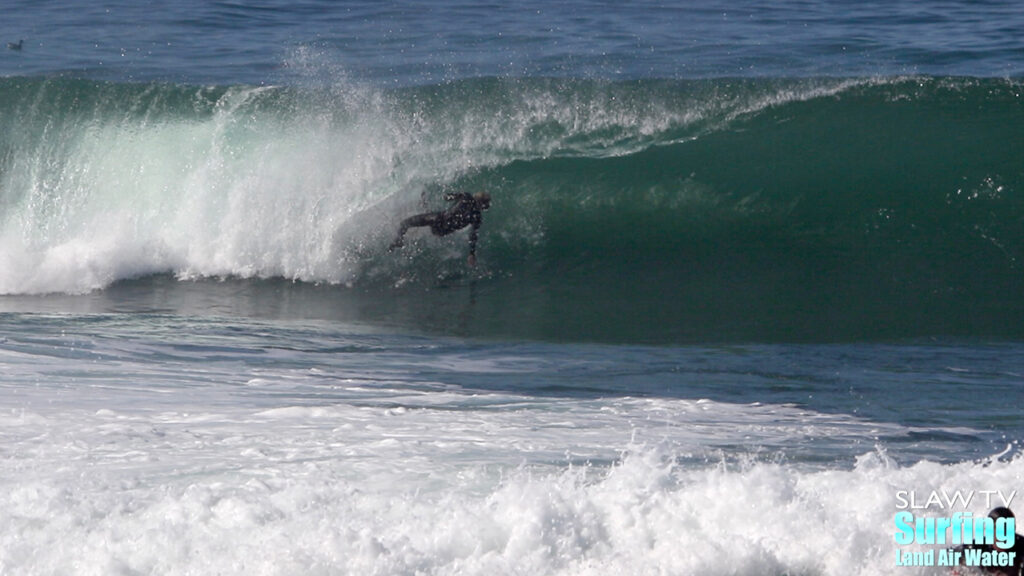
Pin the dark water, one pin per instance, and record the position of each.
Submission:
(429, 42)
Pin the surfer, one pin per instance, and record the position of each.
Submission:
(465, 212)
(1014, 554)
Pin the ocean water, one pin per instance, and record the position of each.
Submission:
(750, 286)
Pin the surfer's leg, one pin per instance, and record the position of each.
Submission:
(416, 221)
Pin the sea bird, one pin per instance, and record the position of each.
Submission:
(13, 46)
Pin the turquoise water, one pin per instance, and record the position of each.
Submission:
(751, 272)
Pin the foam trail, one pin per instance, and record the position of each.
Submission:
(259, 507)
(288, 447)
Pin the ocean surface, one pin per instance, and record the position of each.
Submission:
(752, 283)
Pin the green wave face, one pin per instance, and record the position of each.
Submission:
(879, 211)
(654, 211)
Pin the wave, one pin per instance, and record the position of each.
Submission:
(645, 210)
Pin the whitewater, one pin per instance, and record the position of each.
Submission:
(287, 447)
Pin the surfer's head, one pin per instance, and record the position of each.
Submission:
(1000, 512)
(1004, 526)
(483, 200)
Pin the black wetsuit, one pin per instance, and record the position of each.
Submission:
(465, 212)
(1018, 559)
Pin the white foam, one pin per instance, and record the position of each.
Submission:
(293, 496)
(386, 481)
(243, 191)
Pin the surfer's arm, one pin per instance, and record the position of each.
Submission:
(472, 243)
(472, 238)
(456, 196)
